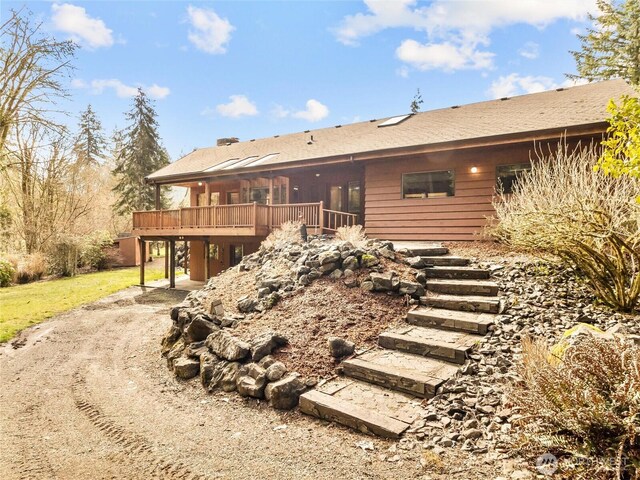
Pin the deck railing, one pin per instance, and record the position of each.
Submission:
(247, 215)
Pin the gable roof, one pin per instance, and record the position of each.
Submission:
(554, 109)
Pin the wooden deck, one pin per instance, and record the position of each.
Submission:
(245, 220)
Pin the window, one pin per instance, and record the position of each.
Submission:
(233, 198)
(353, 197)
(428, 184)
(279, 194)
(507, 176)
(236, 253)
(260, 195)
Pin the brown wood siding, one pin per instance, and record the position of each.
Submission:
(460, 217)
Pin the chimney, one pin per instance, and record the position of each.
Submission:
(227, 141)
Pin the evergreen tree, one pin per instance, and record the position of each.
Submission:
(90, 143)
(416, 102)
(140, 154)
(611, 49)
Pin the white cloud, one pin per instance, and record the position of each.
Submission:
(455, 28)
(80, 26)
(403, 71)
(444, 56)
(314, 112)
(209, 32)
(122, 90)
(530, 50)
(279, 111)
(516, 84)
(239, 106)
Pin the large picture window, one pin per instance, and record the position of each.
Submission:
(428, 184)
(507, 176)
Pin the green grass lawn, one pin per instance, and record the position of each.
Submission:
(24, 305)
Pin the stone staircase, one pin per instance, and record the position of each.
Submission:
(381, 390)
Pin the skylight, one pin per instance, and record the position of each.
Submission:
(224, 164)
(261, 160)
(241, 163)
(394, 120)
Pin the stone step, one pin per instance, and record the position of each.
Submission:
(427, 251)
(465, 303)
(430, 342)
(450, 272)
(471, 322)
(362, 406)
(445, 260)
(412, 374)
(463, 287)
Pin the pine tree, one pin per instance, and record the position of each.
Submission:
(90, 143)
(416, 102)
(611, 49)
(140, 155)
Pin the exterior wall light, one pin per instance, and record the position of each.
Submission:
(199, 184)
(474, 169)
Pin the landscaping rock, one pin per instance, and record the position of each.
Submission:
(276, 371)
(169, 339)
(186, 368)
(350, 263)
(265, 344)
(213, 306)
(199, 329)
(225, 376)
(369, 261)
(247, 304)
(331, 256)
(208, 361)
(411, 288)
(382, 282)
(339, 347)
(195, 349)
(226, 346)
(175, 352)
(367, 286)
(284, 394)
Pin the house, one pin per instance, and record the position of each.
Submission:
(426, 176)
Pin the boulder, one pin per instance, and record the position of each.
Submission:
(382, 282)
(252, 384)
(175, 352)
(330, 256)
(195, 349)
(267, 361)
(247, 304)
(199, 329)
(226, 346)
(367, 285)
(169, 339)
(369, 261)
(411, 288)
(339, 347)
(213, 306)
(327, 268)
(225, 376)
(176, 309)
(336, 274)
(285, 393)
(276, 371)
(386, 252)
(208, 362)
(186, 368)
(265, 343)
(304, 280)
(350, 263)
(415, 262)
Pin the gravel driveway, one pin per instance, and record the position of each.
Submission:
(87, 395)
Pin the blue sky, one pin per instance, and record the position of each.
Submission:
(257, 68)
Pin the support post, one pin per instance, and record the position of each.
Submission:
(172, 264)
(321, 217)
(207, 194)
(207, 260)
(158, 197)
(185, 262)
(166, 259)
(143, 257)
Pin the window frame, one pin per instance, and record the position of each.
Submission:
(427, 197)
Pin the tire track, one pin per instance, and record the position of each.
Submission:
(134, 446)
(33, 461)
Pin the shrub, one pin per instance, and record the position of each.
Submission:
(584, 405)
(289, 232)
(588, 219)
(64, 255)
(7, 272)
(31, 268)
(354, 234)
(95, 250)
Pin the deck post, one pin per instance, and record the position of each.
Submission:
(158, 197)
(143, 257)
(255, 215)
(185, 261)
(166, 259)
(321, 217)
(207, 193)
(172, 264)
(207, 258)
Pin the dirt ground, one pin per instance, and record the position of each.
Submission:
(87, 395)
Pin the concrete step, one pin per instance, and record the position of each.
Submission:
(430, 342)
(404, 372)
(450, 272)
(446, 260)
(465, 303)
(470, 322)
(463, 287)
(362, 406)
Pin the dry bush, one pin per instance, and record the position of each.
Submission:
(288, 233)
(585, 406)
(354, 234)
(31, 268)
(590, 220)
